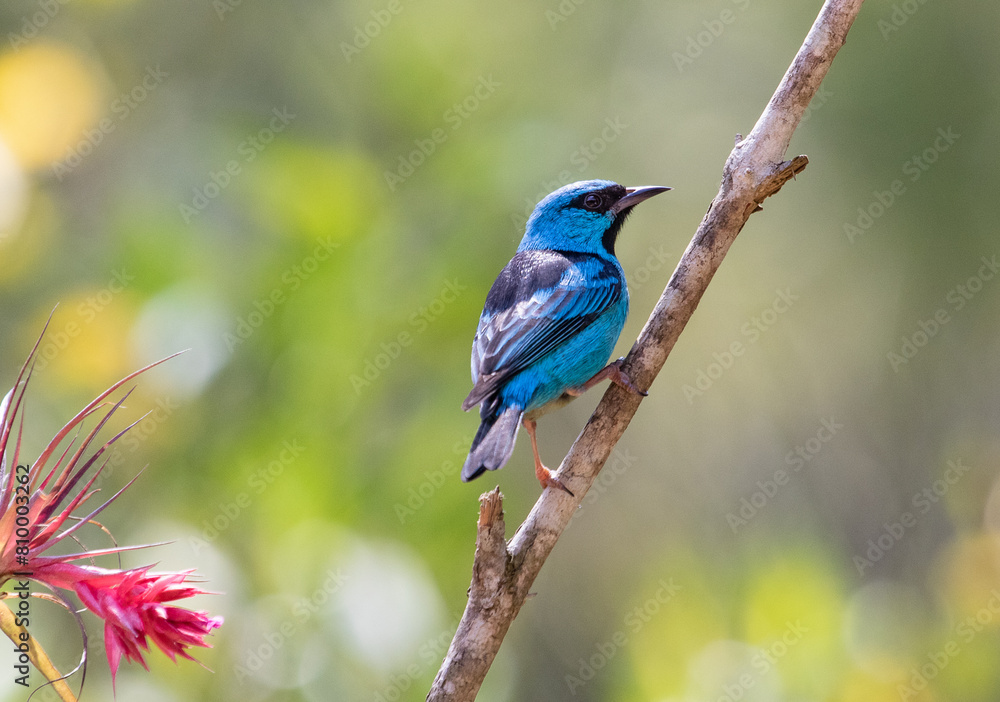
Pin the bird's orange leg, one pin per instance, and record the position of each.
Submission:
(613, 371)
(543, 474)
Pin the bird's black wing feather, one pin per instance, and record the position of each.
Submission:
(539, 300)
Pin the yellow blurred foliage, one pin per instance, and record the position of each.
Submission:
(31, 240)
(86, 344)
(970, 574)
(662, 648)
(861, 687)
(105, 3)
(794, 612)
(48, 98)
(310, 193)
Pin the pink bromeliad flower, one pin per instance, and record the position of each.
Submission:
(38, 506)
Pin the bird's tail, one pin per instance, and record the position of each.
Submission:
(494, 442)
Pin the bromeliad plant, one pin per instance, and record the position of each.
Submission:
(40, 505)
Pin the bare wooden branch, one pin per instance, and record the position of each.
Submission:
(754, 170)
(487, 615)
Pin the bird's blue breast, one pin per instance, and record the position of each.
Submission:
(571, 365)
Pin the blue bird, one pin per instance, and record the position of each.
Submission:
(551, 319)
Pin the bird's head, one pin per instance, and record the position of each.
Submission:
(585, 216)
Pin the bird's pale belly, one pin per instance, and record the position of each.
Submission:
(555, 404)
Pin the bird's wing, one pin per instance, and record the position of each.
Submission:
(540, 300)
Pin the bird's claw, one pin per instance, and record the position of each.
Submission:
(621, 379)
(613, 371)
(543, 474)
(547, 479)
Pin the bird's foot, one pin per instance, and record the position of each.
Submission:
(621, 379)
(543, 474)
(547, 479)
(613, 371)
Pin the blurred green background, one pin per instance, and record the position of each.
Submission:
(315, 197)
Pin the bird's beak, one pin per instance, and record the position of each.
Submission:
(633, 196)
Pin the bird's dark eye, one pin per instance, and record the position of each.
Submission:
(593, 202)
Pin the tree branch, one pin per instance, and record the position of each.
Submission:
(36, 654)
(755, 170)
